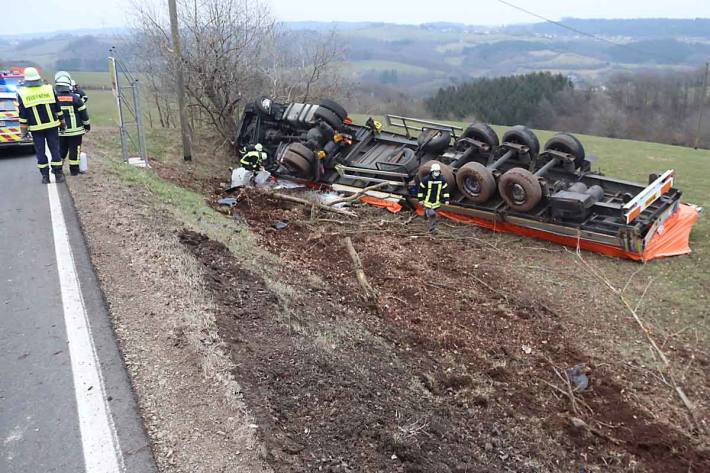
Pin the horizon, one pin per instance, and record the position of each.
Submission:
(103, 14)
(88, 30)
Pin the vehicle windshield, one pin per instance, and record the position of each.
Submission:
(7, 105)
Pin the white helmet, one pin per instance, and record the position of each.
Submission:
(31, 74)
(62, 81)
(436, 167)
(258, 147)
(62, 74)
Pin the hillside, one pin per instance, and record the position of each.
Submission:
(421, 58)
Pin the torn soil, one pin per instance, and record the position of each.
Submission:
(451, 371)
(454, 368)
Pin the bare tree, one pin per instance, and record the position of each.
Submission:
(303, 66)
(234, 51)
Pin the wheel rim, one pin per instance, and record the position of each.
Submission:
(518, 194)
(472, 185)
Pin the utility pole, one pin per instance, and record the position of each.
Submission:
(184, 127)
(703, 96)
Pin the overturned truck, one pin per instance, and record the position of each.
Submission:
(509, 184)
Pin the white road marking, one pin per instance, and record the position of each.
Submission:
(102, 453)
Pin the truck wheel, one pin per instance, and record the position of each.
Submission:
(446, 171)
(303, 151)
(335, 107)
(296, 164)
(482, 132)
(329, 117)
(434, 141)
(566, 143)
(520, 189)
(476, 182)
(522, 135)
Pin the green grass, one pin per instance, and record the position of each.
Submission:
(360, 67)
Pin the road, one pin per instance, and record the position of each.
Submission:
(66, 404)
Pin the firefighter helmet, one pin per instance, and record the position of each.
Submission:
(31, 74)
(62, 74)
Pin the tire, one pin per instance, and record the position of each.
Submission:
(476, 182)
(482, 132)
(329, 117)
(523, 135)
(302, 150)
(520, 189)
(296, 164)
(335, 107)
(566, 143)
(446, 171)
(434, 141)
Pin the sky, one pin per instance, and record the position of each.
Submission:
(53, 15)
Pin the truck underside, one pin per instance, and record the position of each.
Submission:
(506, 184)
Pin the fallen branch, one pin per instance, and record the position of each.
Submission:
(370, 293)
(358, 194)
(666, 362)
(311, 204)
(580, 424)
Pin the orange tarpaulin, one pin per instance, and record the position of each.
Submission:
(390, 205)
(670, 240)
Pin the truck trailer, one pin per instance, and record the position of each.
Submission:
(508, 184)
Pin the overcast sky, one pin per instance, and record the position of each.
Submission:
(52, 15)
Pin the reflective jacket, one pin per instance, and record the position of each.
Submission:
(38, 107)
(433, 191)
(76, 116)
(251, 160)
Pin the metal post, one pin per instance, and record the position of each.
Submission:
(139, 121)
(184, 128)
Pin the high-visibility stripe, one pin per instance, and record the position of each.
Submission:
(9, 137)
(43, 166)
(44, 126)
(36, 115)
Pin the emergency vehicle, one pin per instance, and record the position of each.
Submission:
(10, 135)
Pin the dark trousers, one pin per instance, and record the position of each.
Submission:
(47, 139)
(71, 146)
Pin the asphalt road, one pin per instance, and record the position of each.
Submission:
(43, 416)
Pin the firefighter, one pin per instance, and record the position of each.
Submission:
(74, 87)
(40, 115)
(79, 91)
(433, 190)
(76, 116)
(252, 157)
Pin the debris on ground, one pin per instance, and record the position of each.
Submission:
(578, 377)
(230, 201)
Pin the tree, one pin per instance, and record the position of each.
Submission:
(233, 51)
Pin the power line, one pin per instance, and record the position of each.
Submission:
(583, 33)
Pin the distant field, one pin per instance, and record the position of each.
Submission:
(359, 67)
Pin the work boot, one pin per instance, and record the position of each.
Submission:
(59, 178)
(45, 179)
